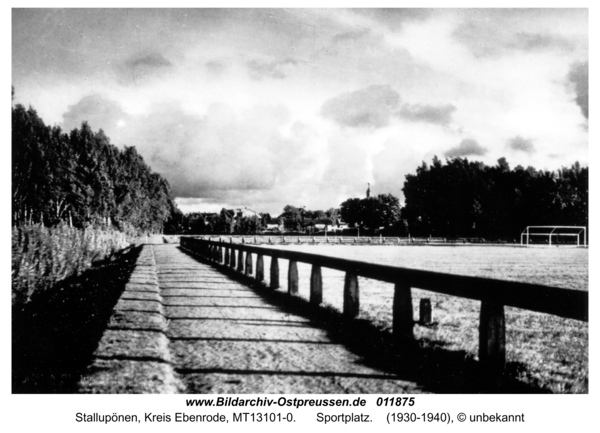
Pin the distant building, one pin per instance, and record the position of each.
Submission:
(241, 213)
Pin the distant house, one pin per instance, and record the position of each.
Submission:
(245, 213)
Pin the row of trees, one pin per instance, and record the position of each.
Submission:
(295, 219)
(82, 179)
(461, 198)
(458, 198)
(301, 219)
(470, 199)
(226, 221)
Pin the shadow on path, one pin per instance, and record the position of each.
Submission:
(424, 362)
(55, 335)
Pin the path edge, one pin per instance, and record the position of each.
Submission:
(133, 355)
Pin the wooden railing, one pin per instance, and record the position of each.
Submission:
(273, 239)
(305, 239)
(493, 294)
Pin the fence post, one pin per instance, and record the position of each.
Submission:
(402, 312)
(492, 337)
(293, 278)
(274, 273)
(248, 263)
(232, 258)
(240, 263)
(226, 256)
(316, 285)
(260, 268)
(351, 295)
(425, 312)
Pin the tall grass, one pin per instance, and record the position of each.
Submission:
(43, 256)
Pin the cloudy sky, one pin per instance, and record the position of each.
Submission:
(268, 107)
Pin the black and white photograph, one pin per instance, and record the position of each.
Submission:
(300, 201)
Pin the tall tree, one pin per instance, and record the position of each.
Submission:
(82, 178)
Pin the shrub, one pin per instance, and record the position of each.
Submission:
(43, 256)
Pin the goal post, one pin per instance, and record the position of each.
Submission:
(554, 235)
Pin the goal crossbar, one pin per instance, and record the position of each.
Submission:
(551, 231)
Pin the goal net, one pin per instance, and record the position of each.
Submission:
(554, 235)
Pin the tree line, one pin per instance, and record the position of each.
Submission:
(245, 221)
(458, 198)
(463, 198)
(227, 221)
(80, 178)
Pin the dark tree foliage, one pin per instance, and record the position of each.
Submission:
(293, 217)
(227, 221)
(371, 212)
(83, 179)
(470, 199)
(196, 224)
(247, 221)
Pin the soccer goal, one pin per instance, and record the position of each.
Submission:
(554, 235)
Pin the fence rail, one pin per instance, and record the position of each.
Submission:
(337, 239)
(493, 294)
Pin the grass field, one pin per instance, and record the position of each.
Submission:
(542, 350)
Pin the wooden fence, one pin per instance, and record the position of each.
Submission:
(493, 294)
(336, 240)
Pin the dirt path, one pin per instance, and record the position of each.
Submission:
(182, 326)
(224, 337)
